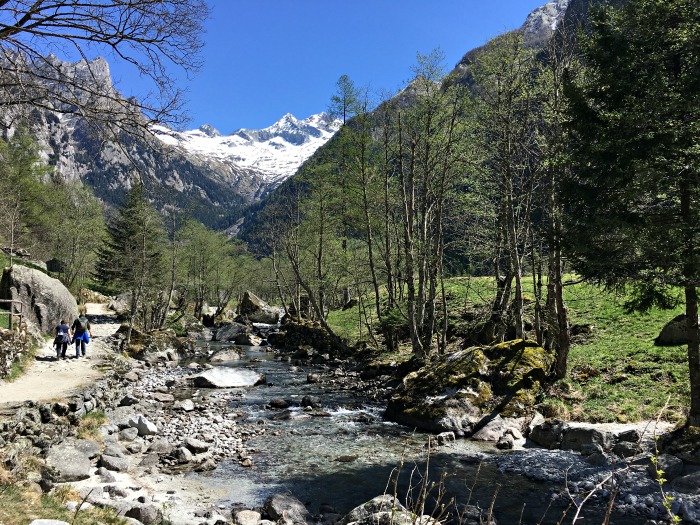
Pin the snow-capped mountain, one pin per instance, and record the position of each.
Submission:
(273, 153)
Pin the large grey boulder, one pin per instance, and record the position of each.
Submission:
(258, 311)
(223, 377)
(462, 392)
(229, 331)
(46, 301)
(674, 333)
(70, 463)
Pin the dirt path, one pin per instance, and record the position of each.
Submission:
(48, 379)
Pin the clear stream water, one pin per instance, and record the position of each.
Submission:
(345, 454)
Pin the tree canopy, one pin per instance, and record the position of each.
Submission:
(633, 199)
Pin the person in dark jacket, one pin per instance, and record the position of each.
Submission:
(81, 333)
(63, 336)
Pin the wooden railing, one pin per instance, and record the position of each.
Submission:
(13, 310)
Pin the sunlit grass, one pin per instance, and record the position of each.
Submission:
(615, 371)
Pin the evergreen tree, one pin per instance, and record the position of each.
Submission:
(132, 258)
(633, 201)
(23, 195)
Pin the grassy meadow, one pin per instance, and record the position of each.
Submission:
(616, 374)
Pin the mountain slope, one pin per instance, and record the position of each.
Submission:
(198, 172)
(537, 29)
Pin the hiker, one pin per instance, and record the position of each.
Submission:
(81, 333)
(63, 336)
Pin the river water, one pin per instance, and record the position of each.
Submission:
(343, 454)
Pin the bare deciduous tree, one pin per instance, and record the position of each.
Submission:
(151, 35)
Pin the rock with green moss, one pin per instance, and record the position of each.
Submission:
(157, 345)
(464, 391)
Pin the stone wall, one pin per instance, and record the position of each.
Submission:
(41, 425)
(13, 344)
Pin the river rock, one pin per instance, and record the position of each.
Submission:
(146, 514)
(382, 503)
(46, 300)
(161, 446)
(458, 391)
(287, 508)
(114, 463)
(577, 437)
(229, 331)
(183, 455)
(195, 445)
(71, 463)
(258, 311)
(688, 484)
(143, 425)
(163, 398)
(548, 434)
(226, 354)
(115, 450)
(248, 340)
(671, 466)
(245, 517)
(187, 405)
(223, 377)
(497, 427)
(128, 434)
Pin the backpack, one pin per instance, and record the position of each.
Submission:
(82, 324)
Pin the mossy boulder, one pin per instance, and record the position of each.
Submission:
(462, 391)
(157, 345)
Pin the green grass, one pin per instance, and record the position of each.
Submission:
(616, 374)
(19, 506)
(19, 367)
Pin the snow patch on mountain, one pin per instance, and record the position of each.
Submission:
(275, 152)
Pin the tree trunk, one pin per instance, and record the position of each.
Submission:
(691, 314)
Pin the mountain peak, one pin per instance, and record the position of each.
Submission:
(275, 152)
(543, 21)
(209, 130)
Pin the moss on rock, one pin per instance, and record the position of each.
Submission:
(456, 391)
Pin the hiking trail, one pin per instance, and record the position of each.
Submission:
(48, 379)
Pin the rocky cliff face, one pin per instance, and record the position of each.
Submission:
(211, 177)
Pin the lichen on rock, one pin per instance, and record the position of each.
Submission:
(460, 391)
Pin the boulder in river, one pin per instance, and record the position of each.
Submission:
(258, 311)
(224, 377)
(229, 331)
(462, 391)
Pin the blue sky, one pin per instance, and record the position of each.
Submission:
(265, 58)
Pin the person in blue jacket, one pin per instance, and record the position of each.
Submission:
(81, 333)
